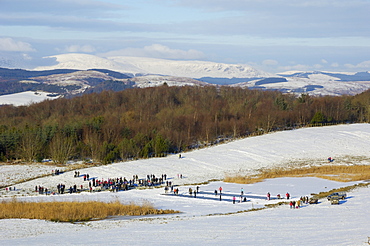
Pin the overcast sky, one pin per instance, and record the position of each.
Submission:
(275, 36)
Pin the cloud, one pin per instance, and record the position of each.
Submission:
(252, 18)
(245, 5)
(295, 19)
(159, 51)
(89, 8)
(68, 23)
(79, 48)
(198, 20)
(270, 62)
(9, 44)
(361, 65)
(317, 66)
(297, 67)
(26, 57)
(82, 15)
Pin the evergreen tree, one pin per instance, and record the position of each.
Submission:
(318, 118)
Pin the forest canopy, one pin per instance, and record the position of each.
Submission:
(141, 123)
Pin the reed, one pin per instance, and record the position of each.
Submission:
(74, 211)
(341, 173)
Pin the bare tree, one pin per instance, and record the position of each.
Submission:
(29, 145)
(61, 148)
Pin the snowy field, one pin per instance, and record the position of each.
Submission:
(26, 98)
(207, 220)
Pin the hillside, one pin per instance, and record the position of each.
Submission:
(156, 121)
(205, 219)
(143, 65)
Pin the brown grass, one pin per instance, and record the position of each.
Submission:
(74, 211)
(341, 173)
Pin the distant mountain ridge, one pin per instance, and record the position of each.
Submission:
(314, 83)
(68, 82)
(8, 73)
(359, 76)
(65, 82)
(75, 74)
(143, 65)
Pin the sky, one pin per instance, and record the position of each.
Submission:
(274, 36)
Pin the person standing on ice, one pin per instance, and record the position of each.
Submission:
(287, 196)
(268, 195)
(234, 199)
(242, 191)
(220, 190)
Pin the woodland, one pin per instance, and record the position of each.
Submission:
(152, 122)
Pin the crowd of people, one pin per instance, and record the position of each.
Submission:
(123, 184)
(41, 189)
(112, 184)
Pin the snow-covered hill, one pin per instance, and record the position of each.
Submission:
(192, 69)
(207, 220)
(148, 72)
(79, 80)
(85, 62)
(157, 80)
(67, 83)
(143, 65)
(312, 83)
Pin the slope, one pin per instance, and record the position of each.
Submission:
(206, 220)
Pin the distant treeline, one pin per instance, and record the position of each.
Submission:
(142, 123)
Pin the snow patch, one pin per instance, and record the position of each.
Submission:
(26, 98)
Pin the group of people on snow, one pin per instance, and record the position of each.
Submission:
(41, 189)
(56, 172)
(298, 203)
(112, 184)
(218, 192)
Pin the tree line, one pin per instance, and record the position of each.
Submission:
(152, 122)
